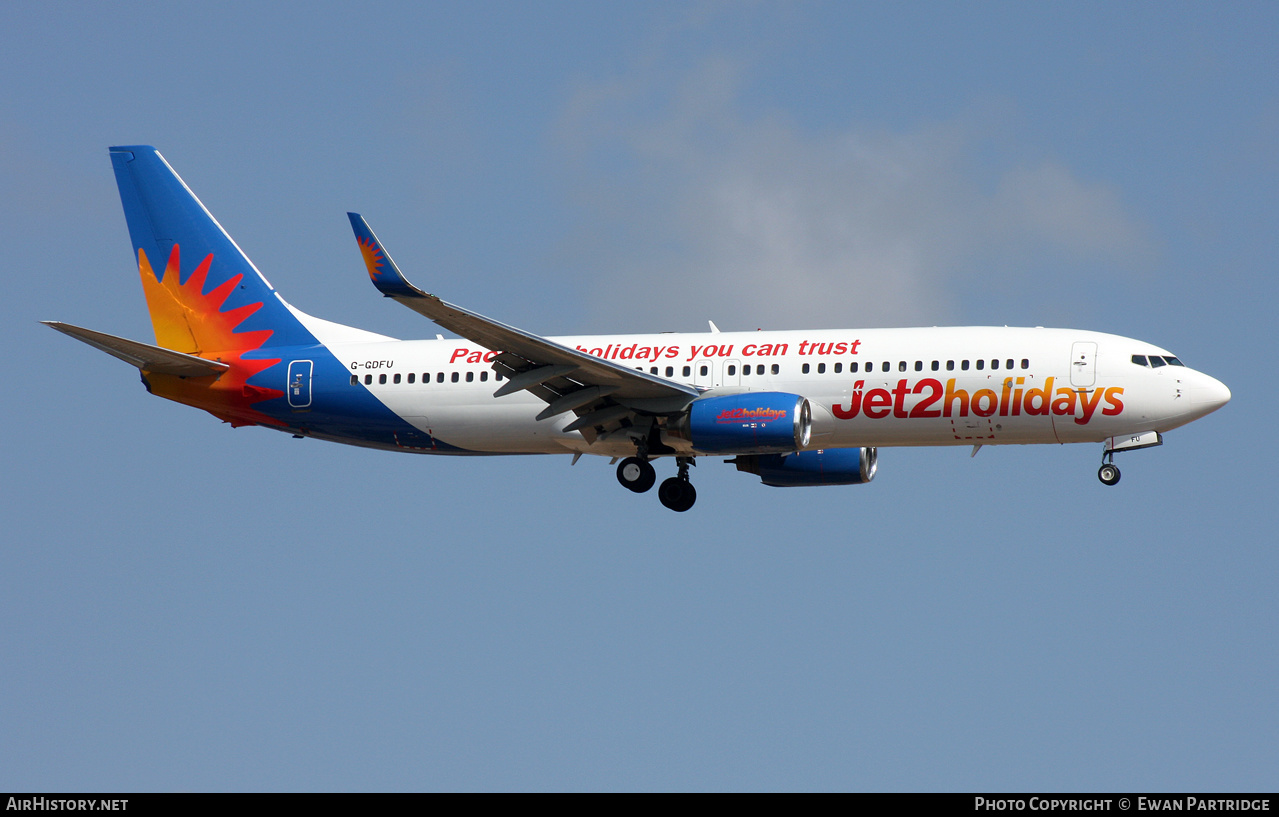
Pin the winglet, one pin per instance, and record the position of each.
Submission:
(386, 276)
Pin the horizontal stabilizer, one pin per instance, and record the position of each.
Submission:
(143, 355)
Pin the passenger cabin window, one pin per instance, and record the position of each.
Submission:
(703, 370)
(470, 377)
(484, 376)
(981, 364)
(852, 367)
(688, 370)
(670, 371)
(839, 367)
(439, 378)
(1025, 363)
(964, 365)
(381, 380)
(950, 366)
(732, 370)
(396, 380)
(994, 364)
(936, 365)
(368, 380)
(411, 376)
(919, 365)
(821, 368)
(454, 378)
(901, 365)
(778, 369)
(804, 368)
(355, 380)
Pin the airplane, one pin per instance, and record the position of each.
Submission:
(795, 408)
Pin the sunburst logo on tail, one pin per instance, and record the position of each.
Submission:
(373, 257)
(187, 319)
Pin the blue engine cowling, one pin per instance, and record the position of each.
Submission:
(756, 422)
(830, 466)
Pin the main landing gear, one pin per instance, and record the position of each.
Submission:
(677, 493)
(1108, 473)
(637, 474)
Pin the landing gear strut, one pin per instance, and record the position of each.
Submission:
(677, 493)
(1108, 473)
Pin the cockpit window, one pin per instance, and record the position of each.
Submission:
(1155, 361)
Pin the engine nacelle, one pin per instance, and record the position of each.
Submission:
(755, 422)
(830, 466)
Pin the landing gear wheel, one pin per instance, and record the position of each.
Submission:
(1108, 474)
(636, 474)
(677, 494)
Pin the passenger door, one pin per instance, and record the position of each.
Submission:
(1083, 364)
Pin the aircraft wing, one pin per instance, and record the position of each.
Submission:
(143, 355)
(567, 379)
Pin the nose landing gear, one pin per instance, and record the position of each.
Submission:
(1108, 473)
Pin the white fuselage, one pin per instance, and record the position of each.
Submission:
(873, 387)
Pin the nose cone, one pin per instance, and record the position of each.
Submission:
(1208, 394)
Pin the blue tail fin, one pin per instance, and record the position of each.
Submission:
(204, 294)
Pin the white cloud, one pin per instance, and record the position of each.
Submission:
(697, 210)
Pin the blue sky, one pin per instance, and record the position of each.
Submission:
(191, 607)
